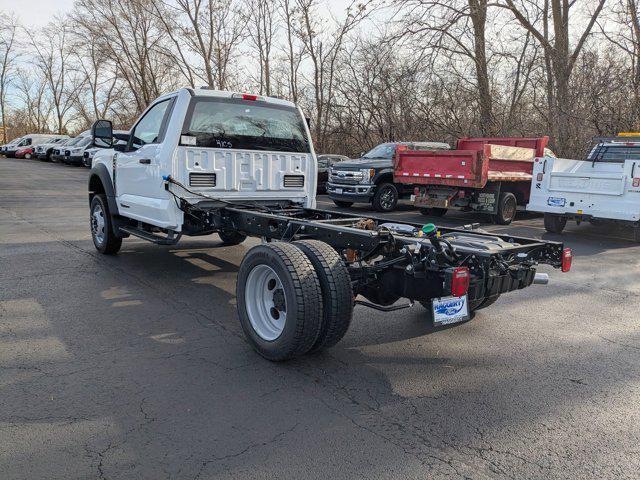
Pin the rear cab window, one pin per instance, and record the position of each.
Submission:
(614, 153)
(245, 125)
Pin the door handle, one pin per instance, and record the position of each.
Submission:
(145, 161)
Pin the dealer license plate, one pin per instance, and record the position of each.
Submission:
(448, 310)
(339, 191)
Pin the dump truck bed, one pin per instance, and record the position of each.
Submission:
(475, 162)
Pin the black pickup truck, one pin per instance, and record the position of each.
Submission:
(369, 179)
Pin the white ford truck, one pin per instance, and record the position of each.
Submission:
(605, 187)
(200, 162)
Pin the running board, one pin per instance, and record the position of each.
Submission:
(170, 239)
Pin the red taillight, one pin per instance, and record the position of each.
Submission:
(416, 191)
(402, 148)
(567, 256)
(460, 281)
(246, 96)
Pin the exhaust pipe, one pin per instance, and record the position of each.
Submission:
(541, 279)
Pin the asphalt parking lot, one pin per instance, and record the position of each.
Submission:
(134, 366)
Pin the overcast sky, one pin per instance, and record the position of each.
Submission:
(38, 12)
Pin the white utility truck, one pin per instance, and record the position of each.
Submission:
(603, 188)
(199, 162)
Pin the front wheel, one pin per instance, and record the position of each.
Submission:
(342, 204)
(102, 234)
(385, 198)
(554, 223)
(279, 301)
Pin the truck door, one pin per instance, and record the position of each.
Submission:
(138, 175)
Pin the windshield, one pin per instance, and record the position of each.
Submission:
(74, 141)
(614, 153)
(246, 125)
(385, 150)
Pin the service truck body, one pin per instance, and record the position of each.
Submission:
(603, 187)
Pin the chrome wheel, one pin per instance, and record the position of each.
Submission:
(98, 223)
(265, 302)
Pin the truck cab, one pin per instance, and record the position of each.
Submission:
(604, 187)
(369, 179)
(229, 146)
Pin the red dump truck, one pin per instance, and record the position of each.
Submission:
(488, 175)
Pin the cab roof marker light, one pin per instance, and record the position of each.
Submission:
(246, 96)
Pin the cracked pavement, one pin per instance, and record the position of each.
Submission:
(135, 366)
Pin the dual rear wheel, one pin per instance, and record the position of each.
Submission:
(293, 298)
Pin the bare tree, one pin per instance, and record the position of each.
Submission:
(323, 47)
(456, 28)
(560, 56)
(133, 40)
(52, 58)
(8, 57)
(261, 18)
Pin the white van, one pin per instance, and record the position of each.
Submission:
(27, 140)
(604, 187)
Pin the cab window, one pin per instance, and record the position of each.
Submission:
(148, 130)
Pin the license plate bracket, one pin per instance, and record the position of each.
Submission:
(450, 310)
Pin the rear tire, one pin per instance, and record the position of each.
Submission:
(342, 204)
(433, 212)
(507, 207)
(102, 234)
(385, 198)
(554, 223)
(337, 293)
(231, 238)
(291, 289)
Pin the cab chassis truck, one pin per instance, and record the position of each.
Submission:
(199, 162)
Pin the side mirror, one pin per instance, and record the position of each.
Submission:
(102, 133)
(120, 147)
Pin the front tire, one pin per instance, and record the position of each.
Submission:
(231, 238)
(337, 293)
(385, 198)
(554, 223)
(279, 301)
(342, 204)
(102, 234)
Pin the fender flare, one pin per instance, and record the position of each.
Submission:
(102, 173)
(382, 173)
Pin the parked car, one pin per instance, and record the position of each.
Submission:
(369, 179)
(24, 152)
(28, 141)
(73, 154)
(43, 151)
(604, 188)
(324, 164)
(58, 153)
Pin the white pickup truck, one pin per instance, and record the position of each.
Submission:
(603, 188)
(200, 162)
